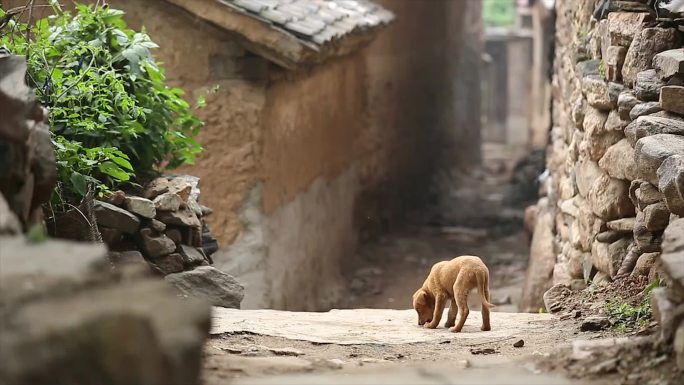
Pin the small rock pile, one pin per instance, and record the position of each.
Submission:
(165, 228)
(616, 159)
(165, 224)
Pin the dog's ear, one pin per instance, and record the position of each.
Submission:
(421, 297)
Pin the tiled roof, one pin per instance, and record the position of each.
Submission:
(316, 22)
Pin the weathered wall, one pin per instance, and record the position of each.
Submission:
(613, 160)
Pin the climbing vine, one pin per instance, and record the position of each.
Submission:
(114, 120)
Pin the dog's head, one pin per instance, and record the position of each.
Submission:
(424, 305)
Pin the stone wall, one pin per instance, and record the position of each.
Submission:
(615, 159)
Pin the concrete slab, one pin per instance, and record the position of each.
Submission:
(371, 326)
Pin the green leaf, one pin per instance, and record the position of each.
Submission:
(111, 169)
(79, 183)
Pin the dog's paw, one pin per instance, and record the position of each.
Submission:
(450, 324)
(454, 330)
(486, 328)
(430, 326)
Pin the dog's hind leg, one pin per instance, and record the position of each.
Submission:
(461, 298)
(453, 311)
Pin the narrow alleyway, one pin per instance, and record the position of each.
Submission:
(370, 343)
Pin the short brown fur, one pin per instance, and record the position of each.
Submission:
(453, 280)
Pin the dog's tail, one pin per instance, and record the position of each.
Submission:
(483, 289)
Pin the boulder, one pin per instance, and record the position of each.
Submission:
(644, 264)
(623, 225)
(140, 206)
(609, 236)
(647, 194)
(672, 99)
(646, 241)
(651, 152)
(542, 259)
(678, 346)
(647, 85)
(615, 122)
(607, 257)
(185, 217)
(130, 257)
(586, 172)
(192, 256)
(646, 108)
(614, 60)
(645, 45)
(623, 26)
(588, 226)
(68, 319)
(167, 202)
(673, 241)
(554, 297)
(157, 187)
(652, 125)
(626, 101)
(578, 111)
(157, 226)
(110, 236)
(561, 275)
(656, 216)
(594, 323)
(671, 183)
(595, 89)
(115, 198)
(666, 313)
(609, 198)
(669, 63)
(156, 246)
(169, 264)
(618, 161)
(596, 146)
(209, 283)
(115, 218)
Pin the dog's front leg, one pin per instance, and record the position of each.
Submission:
(440, 303)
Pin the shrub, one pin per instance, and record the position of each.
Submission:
(113, 118)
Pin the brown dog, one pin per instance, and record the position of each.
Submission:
(453, 280)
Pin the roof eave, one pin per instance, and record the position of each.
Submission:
(271, 42)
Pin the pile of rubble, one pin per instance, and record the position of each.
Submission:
(616, 158)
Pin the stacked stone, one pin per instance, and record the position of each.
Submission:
(27, 172)
(616, 159)
(166, 224)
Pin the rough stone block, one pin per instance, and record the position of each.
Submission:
(607, 257)
(645, 45)
(156, 247)
(614, 60)
(140, 206)
(209, 283)
(643, 109)
(609, 198)
(626, 101)
(645, 264)
(671, 183)
(669, 63)
(623, 225)
(116, 218)
(672, 99)
(647, 85)
(656, 216)
(647, 194)
(618, 161)
(595, 88)
(651, 152)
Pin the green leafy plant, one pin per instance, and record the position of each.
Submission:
(114, 120)
(602, 68)
(626, 316)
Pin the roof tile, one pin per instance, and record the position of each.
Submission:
(316, 21)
